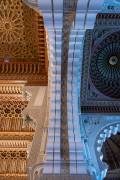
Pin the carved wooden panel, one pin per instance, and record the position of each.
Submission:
(15, 138)
(23, 49)
(21, 30)
(33, 72)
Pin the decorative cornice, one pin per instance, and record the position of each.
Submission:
(32, 72)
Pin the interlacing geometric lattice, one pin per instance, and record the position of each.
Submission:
(14, 137)
(21, 31)
(105, 66)
(13, 155)
(11, 107)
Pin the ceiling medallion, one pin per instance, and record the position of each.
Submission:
(113, 60)
(105, 67)
(10, 27)
(100, 83)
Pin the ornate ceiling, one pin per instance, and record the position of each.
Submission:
(105, 65)
(100, 90)
(22, 41)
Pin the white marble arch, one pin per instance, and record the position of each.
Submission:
(103, 134)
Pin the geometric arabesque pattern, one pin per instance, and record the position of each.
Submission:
(105, 66)
(100, 87)
(21, 32)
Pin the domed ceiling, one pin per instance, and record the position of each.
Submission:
(22, 39)
(105, 66)
(100, 83)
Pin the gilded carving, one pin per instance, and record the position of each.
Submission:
(19, 33)
(14, 138)
(23, 48)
